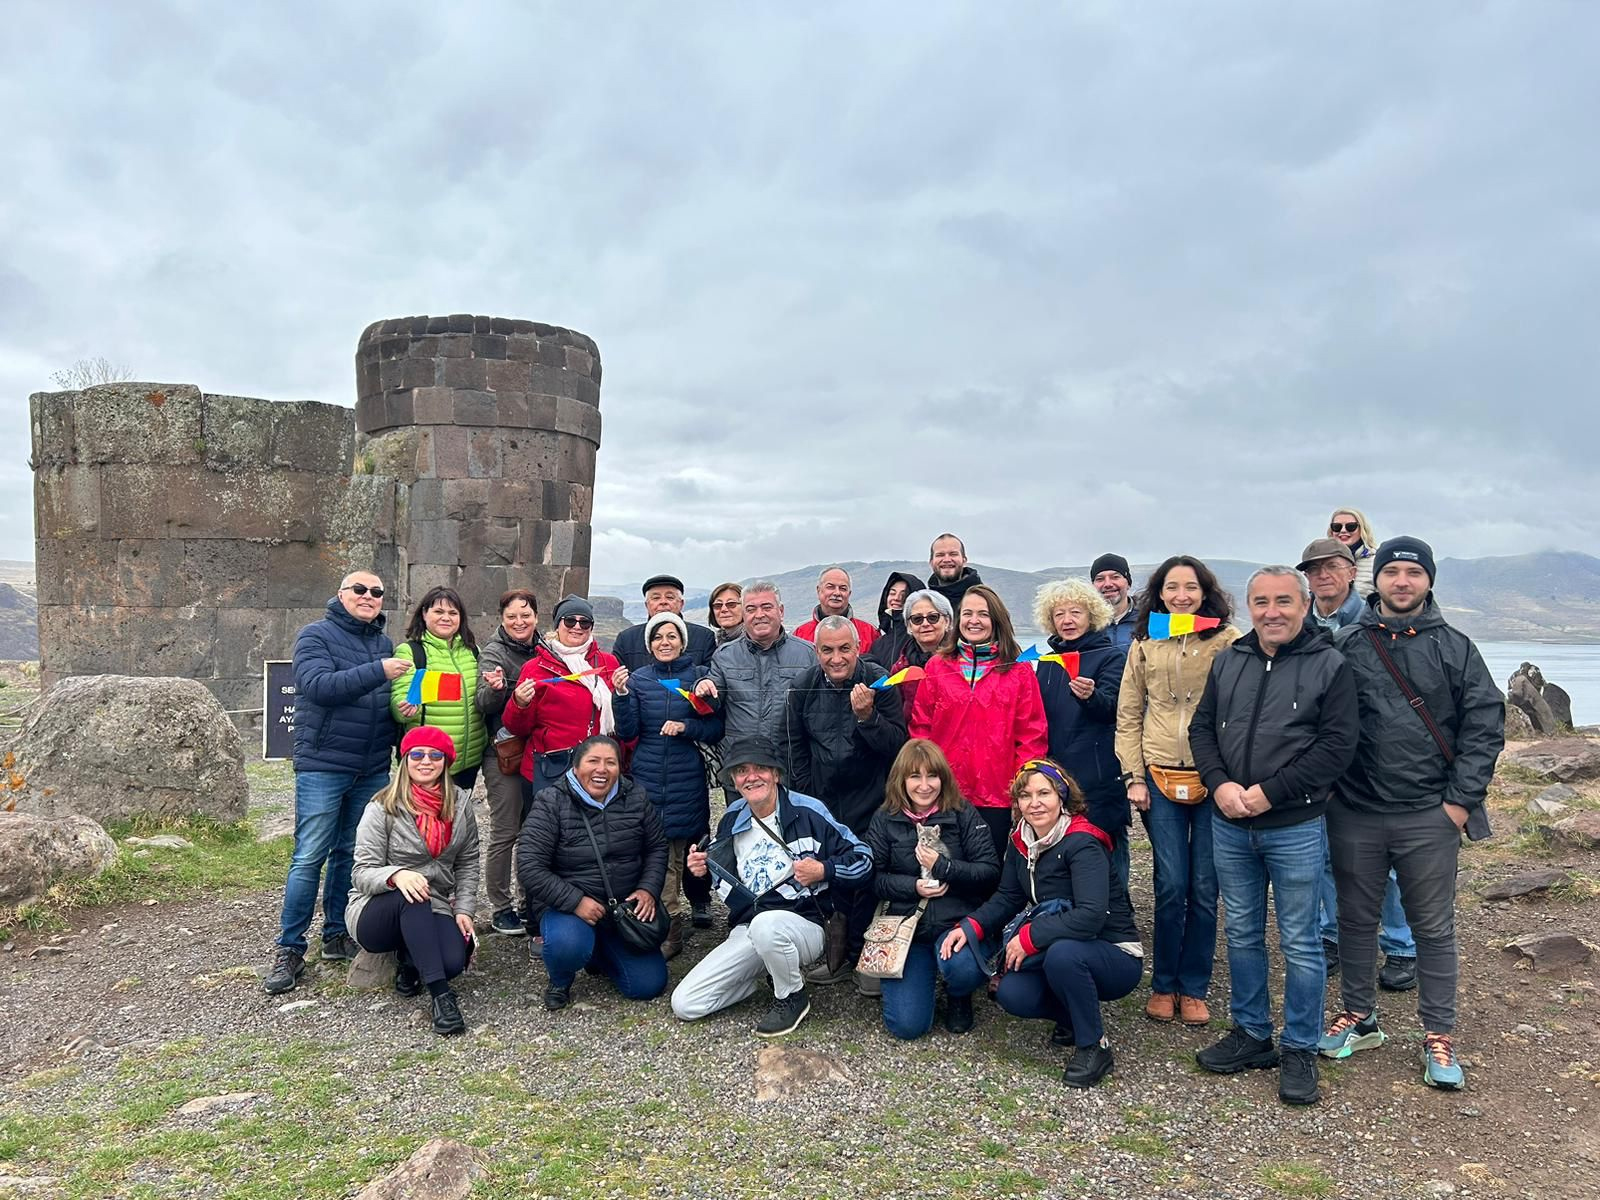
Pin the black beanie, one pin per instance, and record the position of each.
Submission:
(1111, 562)
(1404, 549)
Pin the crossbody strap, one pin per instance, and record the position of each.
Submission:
(767, 829)
(1410, 693)
(600, 859)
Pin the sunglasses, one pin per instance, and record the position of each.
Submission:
(726, 604)
(362, 589)
(429, 755)
(577, 622)
(924, 618)
(1345, 527)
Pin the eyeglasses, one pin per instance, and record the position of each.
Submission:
(924, 618)
(1345, 527)
(577, 622)
(362, 589)
(430, 755)
(726, 604)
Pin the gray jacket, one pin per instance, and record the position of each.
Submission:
(754, 685)
(386, 844)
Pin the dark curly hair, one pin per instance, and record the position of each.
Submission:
(1217, 603)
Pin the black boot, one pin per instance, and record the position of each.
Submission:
(958, 1013)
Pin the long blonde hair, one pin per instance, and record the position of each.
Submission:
(1368, 538)
(396, 798)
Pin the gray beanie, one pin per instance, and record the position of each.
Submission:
(573, 606)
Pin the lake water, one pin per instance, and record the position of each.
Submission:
(1575, 668)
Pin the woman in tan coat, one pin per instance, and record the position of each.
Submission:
(1161, 685)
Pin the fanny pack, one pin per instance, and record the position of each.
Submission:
(1181, 785)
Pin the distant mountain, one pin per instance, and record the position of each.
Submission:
(19, 624)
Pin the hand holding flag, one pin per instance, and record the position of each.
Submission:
(905, 675)
(695, 702)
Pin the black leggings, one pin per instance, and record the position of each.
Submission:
(430, 940)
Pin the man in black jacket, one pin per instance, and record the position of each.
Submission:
(1407, 797)
(662, 593)
(1275, 728)
(947, 558)
(840, 739)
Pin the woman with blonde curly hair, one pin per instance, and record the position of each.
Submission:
(1350, 526)
(1080, 703)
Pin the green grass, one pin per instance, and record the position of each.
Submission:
(1295, 1179)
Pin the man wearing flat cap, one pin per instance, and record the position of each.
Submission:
(662, 593)
(1330, 569)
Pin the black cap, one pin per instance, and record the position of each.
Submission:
(661, 581)
(1111, 562)
(1404, 549)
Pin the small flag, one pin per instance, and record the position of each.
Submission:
(1171, 625)
(431, 687)
(1067, 661)
(574, 677)
(695, 702)
(904, 675)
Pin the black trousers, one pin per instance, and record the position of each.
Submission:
(431, 941)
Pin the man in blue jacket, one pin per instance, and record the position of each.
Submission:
(343, 738)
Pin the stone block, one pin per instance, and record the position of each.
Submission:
(400, 408)
(245, 638)
(582, 502)
(138, 500)
(476, 408)
(586, 390)
(515, 498)
(581, 534)
(578, 360)
(489, 345)
(237, 430)
(455, 346)
(434, 542)
(305, 574)
(54, 431)
(438, 325)
(155, 573)
(66, 501)
(450, 451)
(514, 410)
(489, 542)
(461, 323)
(534, 456)
(243, 694)
(461, 500)
(147, 423)
(484, 454)
(523, 347)
(507, 375)
(534, 541)
(433, 406)
(308, 436)
(372, 412)
(106, 639)
(363, 511)
(419, 578)
(578, 419)
(73, 571)
(542, 411)
(563, 537)
(480, 590)
(557, 499)
(464, 373)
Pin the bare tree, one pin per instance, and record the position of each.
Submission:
(87, 372)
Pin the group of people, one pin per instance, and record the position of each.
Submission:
(924, 783)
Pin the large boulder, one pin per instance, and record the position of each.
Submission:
(114, 747)
(1518, 727)
(1548, 707)
(442, 1169)
(38, 851)
(1566, 760)
(1560, 703)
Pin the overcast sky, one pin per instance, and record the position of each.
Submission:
(1063, 278)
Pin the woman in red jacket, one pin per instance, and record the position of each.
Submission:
(981, 708)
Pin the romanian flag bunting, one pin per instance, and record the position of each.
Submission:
(574, 677)
(1171, 625)
(695, 702)
(905, 675)
(1067, 661)
(431, 687)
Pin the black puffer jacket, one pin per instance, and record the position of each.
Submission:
(556, 861)
(1398, 765)
(968, 865)
(1288, 722)
(842, 761)
(1077, 868)
(956, 588)
(892, 636)
(1083, 733)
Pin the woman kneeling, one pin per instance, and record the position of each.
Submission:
(415, 879)
(1069, 939)
(591, 837)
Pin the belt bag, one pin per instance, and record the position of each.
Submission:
(887, 942)
(1181, 785)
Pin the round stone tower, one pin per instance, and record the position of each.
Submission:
(489, 428)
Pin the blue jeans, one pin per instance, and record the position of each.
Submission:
(1121, 859)
(571, 944)
(1394, 935)
(1290, 859)
(1069, 983)
(908, 1001)
(1185, 928)
(327, 809)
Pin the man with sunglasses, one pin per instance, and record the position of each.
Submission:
(343, 739)
(662, 593)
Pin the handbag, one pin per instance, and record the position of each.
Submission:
(508, 753)
(1478, 815)
(887, 942)
(1181, 785)
(634, 931)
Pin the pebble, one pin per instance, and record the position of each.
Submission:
(296, 1006)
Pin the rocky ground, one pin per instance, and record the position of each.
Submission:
(140, 1058)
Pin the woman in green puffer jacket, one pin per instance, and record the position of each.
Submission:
(440, 625)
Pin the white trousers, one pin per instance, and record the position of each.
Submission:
(776, 943)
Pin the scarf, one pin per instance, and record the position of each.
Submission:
(977, 660)
(919, 817)
(577, 659)
(428, 805)
(1034, 844)
(731, 634)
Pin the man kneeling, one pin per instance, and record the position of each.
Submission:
(774, 854)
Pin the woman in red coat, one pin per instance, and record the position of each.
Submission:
(982, 708)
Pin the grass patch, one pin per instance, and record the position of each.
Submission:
(1149, 1145)
(1295, 1179)
(224, 860)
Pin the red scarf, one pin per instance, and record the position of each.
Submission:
(428, 804)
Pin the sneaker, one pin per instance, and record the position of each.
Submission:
(958, 1013)
(447, 1020)
(1089, 1065)
(1297, 1077)
(701, 911)
(555, 999)
(1350, 1033)
(819, 974)
(287, 967)
(508, 924)
(1439, 1066)
(785, 1015)
(1062, 1035)
(869, 986)
(1330, 954)
(1236, 1052)
(1193, 1011)
(1398, 974)
(341, 947)
(407, 979)
(1162, 1006)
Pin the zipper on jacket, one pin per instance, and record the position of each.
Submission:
(1255, 720)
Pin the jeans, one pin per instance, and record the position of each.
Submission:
(1121, 858)
(1290, 859)
(571, 944)
(430, 940)
(1069, 984)
(1394, 935)
(327, 809)
(1185, 928)
(908, 1001)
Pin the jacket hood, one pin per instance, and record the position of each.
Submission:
(1312, 637)
(913, 584)
(966, 579)
(1090, 641)
(1426, 617)
(1078, 824)
(337, 614)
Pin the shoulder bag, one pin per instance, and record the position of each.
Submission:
(636, 933)
(887, 942)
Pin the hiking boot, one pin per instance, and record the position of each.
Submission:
(555, 999)
(1297, 1077)
(507, 924)
(1398, 974)
(672, 945)
(869, 986)
(287, 967)
(1062, 1035)
(1089, 1065)
(1350, 1033)
(1236, 1052)
(701, 911)
(407, 979)
(1193, 1012)
(958, 1013)
(447, 1020)
(1162, 1006)
(341, 947)
(1330, 955)
(819, 974)
(785, 1015)
(1439, 1066)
